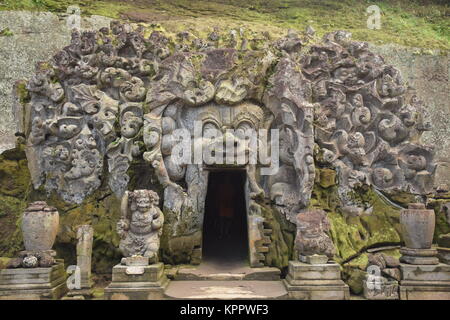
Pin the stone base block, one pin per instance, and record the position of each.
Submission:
(137, 283)
(314, 259)
(381, 291)
(315, 282)
(85, 293)
(33, 283)
(419, 256)
(425, 282)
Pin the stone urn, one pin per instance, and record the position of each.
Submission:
(417, 225)
(39, 226)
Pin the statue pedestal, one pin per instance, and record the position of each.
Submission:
(315, 282)
(425, 282)
(33, 283)
(137, 283)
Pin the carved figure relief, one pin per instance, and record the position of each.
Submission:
(140, 227)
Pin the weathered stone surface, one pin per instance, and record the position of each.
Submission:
(40, 225)
(312, 239)
(85, 236)
(146, 285)
(444, 255)
(314, 259)
(226, 290)
(33, 283)
(135, 261)
(428, 74)
(378, 288)
(315, 282)
(36, 36)
(440, 272)
(418, 225)
(383, 274)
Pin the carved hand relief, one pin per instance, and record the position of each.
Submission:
(116, 95)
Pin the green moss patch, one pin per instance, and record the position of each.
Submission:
(405, 22)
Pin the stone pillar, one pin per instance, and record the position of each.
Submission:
(423, 276)
(85, 236)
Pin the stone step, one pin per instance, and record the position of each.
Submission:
(230, 290)
(238, 273)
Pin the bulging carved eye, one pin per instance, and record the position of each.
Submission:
(210, 128)
(244, 129)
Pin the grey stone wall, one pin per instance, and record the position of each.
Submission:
(429, 74)
(37, 36)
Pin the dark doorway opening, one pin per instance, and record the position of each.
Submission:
(225, 234)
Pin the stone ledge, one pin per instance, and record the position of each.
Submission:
(315, 282)
(148, 285)
(33, 284)
(318, 292)
(438, 272)
(303, 271)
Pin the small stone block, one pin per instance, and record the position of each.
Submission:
(418, 252)
(303, 271)
(419, 260)
(314, 259)
(135, 261)
(381, 291)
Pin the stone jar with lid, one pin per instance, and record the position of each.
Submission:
(39, 226)
(417, 225)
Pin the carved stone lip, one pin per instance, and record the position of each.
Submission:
(39, 206)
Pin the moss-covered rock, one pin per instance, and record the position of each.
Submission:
(352, 234)
(281, 249)
(354, 278)
(101, 209)
(442, 223)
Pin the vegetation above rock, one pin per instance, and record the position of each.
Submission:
(417, 23)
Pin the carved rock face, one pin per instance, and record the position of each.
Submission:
(118, 95)
(312, 237)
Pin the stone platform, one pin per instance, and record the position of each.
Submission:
(315, 282)
(33, 283)
(137, 283)
(229, 290)
(232, 271)
(425, 282)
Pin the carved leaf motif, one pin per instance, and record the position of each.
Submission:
(88, 97)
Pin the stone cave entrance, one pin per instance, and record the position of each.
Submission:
(225, 233)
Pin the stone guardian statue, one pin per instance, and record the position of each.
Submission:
(140, 227)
